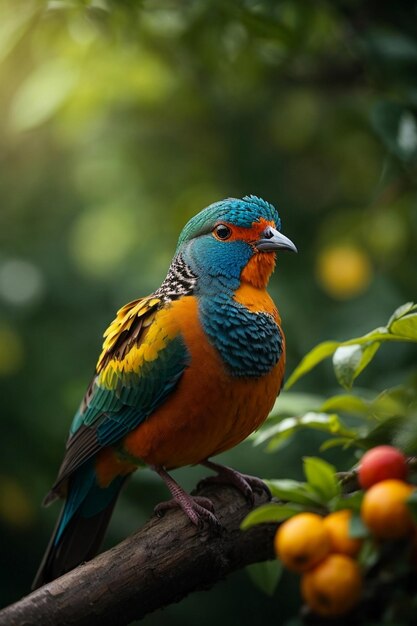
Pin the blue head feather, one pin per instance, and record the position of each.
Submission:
(242, 213)
(214, 259)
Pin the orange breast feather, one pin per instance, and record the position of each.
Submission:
(210, 411)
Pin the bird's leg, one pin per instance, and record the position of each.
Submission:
(197, 509)
(243, 482)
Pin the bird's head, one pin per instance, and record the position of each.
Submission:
(234, 241)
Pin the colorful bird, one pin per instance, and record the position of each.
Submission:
(185, 373)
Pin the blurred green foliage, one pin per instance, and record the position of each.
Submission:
(119, 119)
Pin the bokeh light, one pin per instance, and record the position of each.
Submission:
(101, 239)
(21, 282)
(16, 507)
(344, 271)
(11, 350)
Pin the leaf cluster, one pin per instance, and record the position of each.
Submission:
(362, 419)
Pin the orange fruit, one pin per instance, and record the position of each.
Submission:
(333, 587)
(302, 541)
(337, 525)
(384, 509)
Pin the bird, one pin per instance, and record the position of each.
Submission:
(184, 374)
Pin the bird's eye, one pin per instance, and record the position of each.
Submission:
(222, 232)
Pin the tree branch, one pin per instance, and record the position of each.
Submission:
(159, 564)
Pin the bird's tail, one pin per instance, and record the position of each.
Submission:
(81, 525)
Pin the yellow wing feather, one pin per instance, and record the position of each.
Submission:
(137, 335)
(117, 334)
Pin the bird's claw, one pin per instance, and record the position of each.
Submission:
(199, 510)
(245, 483)
(167, 505)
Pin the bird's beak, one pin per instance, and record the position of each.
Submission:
(272, 240)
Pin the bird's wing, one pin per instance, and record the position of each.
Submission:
(143, 358)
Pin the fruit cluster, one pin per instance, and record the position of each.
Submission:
(382, 473)
(322, 548)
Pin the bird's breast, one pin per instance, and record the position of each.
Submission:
(244, 328)
(211, 410)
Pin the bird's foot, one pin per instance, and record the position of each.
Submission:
(246, 484)
(198, 509)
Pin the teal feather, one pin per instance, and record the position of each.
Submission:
(251, 343)
(82, 483)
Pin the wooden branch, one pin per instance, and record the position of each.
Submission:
(159, 564)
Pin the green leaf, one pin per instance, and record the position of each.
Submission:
(406, 327)
(280, 431)
(292, 491)
(368, 554)
(266, 575)
(368, 353)
(352, 501)
(379, 334)
(346, 360)
(389, 431)
(402, 310)
(313, 358)
(357, 529)
(345, 442)
(349, 361)
(412, 505)
(289, 425)
(269, 513)
(398, 431)
(346, 403)
(321, 476)
(390, 403)
(294, 403)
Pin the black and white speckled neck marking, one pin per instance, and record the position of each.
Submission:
(180, 281)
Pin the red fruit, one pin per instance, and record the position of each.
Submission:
(382, 463)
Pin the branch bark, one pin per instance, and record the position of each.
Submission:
(161, 563)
